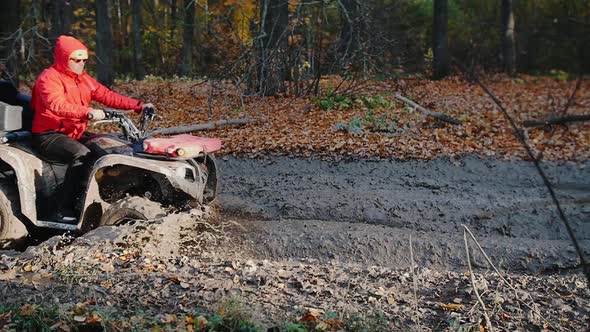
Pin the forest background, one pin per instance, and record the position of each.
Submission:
(269, 46)
(337, 67)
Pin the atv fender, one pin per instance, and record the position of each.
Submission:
(27, 168)
(174, 172)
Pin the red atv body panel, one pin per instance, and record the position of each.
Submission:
(185, 146)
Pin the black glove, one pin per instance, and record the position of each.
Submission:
(149, 113)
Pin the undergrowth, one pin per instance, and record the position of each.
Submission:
(375, 113)
(230, 315)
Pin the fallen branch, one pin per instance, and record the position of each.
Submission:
(555, 121)
(204, 126)
(439, 116)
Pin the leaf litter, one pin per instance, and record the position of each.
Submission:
(169, 277)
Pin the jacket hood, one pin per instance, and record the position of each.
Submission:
(64, 47)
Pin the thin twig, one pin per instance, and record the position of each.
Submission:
(415, 284)
(571, 99)
(516, 291)
(485, 314)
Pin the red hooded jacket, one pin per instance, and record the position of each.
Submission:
(61, 98)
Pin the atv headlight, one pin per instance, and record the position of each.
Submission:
(180, 152)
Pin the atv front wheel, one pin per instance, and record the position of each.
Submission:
(12, 231)
(130, 209)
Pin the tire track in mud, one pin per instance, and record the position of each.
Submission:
(365, 211)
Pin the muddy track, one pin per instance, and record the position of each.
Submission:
(366, 211)
(300, 234)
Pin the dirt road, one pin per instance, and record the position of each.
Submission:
(365, 212)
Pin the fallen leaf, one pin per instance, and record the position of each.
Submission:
(107, 267)
(309, 318)
(5, 318)
(334, 324)
(41, 281)
(173, 278)
(450, 306)
(8, 275)
(312, 316)
(201, 323)
(27, 309)
(94, 318)
(61, 326)
(168, 319)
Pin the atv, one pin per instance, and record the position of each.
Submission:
(131, 176)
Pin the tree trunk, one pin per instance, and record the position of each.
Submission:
(272, 67)
(9, 24)
(104, 44)
(61, 16)
(173, 14)
(137, 39)
(186, 67)
(440, 43)
(347, 43)
(508, 46)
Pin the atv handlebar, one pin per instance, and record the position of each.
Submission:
(129, 128)
(109, 114)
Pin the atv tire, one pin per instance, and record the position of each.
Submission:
(12, 230)
(130, 209)
(212, 185)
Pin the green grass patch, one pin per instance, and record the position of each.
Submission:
(231, 315)
(370, 123)
(333, 101)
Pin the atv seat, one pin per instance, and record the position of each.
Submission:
(10, 95)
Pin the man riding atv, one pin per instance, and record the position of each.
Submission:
(117, 177)
(61, 100)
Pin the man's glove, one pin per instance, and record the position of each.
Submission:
(96, 114)
(149, 111)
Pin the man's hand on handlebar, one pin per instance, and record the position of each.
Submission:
(96, 114)
(149, 110)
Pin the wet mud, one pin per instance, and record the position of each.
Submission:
(367, 211)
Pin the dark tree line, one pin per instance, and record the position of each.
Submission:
(270, 46)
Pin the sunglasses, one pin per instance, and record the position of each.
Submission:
(79, 60)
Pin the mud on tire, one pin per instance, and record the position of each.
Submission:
(131, 208)
(12, 231)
